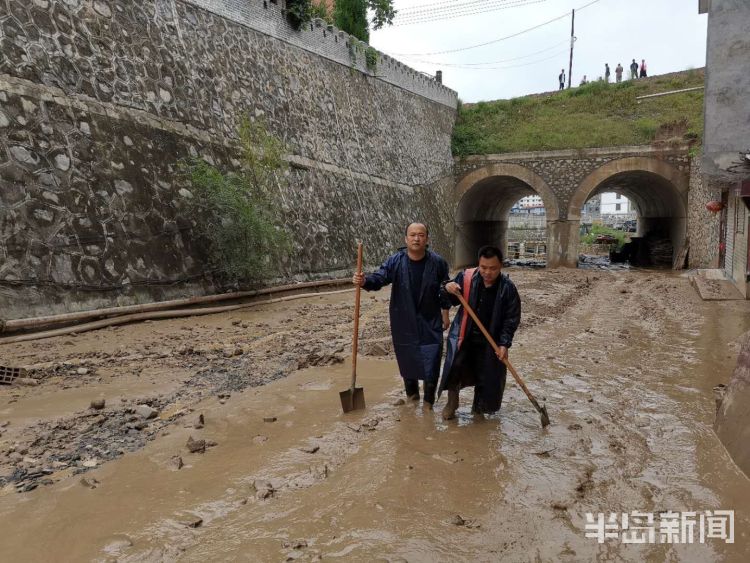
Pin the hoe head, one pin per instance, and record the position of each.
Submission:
(544, 415)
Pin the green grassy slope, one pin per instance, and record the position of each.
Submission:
(595, 115)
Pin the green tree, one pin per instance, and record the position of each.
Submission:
(234, 212)
(351, 16)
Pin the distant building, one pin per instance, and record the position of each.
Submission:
(592, 209)
(531, 204)
(614, 204)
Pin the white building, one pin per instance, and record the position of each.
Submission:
(530, 202)
(615, 204)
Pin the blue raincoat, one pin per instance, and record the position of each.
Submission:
(417, 331)
(506, 316)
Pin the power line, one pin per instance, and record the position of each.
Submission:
(436, 7)
(419, 12)
(457, 12)
(440, 63)
(553, 56)
(495, 40)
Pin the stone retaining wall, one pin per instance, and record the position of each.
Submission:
(101, 100)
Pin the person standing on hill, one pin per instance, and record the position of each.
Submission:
(644, 74)
(633, 70)
(606, 72)
(618, 73)
(561, 79)
(418, 313)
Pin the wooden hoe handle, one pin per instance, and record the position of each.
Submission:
(496, 348)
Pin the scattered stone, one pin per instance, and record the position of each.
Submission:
(90, 463)
(263, 489)
(89, 482)
(26, 381)
(269, 419)
(176, 463)
(200, 422)
(236, 322)
(575, 426)
(83, 371)
(457, 520)
(196, 446)
(98, 404)
(145, 411)
(398, 403)
(309, 449)
(294, 544)
(194, 522)
(260, 439)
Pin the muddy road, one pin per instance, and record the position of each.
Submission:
(626, 361)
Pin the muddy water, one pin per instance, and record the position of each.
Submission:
(627, 373)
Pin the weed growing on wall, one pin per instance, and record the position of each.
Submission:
(234, 211)
(371, 59)
(298, 12)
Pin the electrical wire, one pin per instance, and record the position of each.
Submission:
(530, 63)
(498, 40)
(465, 65)
(437, 6)
(459, 13)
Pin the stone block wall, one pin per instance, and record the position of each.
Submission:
(100, 101)
(703, 226)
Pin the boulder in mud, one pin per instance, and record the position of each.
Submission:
(98, 404)
(146, 411)
(196, 446)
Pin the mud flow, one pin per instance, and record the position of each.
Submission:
(222, 438)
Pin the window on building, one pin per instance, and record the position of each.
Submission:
(618, 196)
(618, 206)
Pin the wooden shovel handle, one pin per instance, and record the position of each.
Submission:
(355, 336)
(496, 348)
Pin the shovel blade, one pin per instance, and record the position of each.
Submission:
(352, 399)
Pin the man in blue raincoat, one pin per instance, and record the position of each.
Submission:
(470, 359)
(418, 315)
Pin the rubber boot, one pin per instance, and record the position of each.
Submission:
(429, 396)
(476, 405)
(449, 412)
(411, 386)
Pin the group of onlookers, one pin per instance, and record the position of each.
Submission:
(636, 71)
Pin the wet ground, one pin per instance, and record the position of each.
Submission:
(626, 361)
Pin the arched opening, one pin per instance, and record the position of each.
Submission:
(658, 194)
(527, 232)
(485, 199)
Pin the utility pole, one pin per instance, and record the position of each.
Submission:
(572, 40)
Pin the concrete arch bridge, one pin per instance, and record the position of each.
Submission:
(656, 179)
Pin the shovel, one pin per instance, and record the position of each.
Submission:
(542, 409)
(353, 399)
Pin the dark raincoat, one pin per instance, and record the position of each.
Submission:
(506, 317)
(417, 332)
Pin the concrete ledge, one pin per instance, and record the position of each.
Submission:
(712, 285)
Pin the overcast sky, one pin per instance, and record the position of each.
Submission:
(669, 34)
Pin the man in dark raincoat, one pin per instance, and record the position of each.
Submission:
(470, 360)
(418, 316)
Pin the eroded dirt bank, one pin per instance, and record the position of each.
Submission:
(626, 361)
